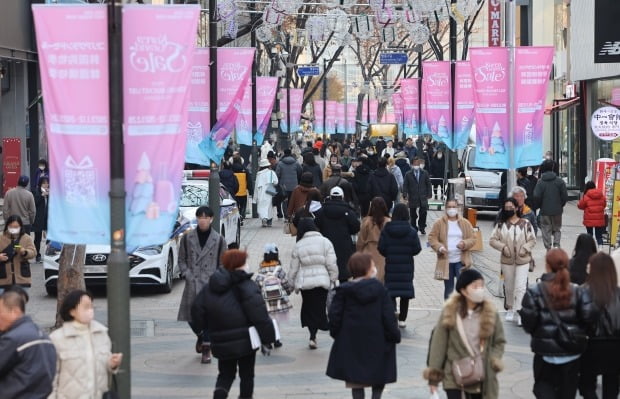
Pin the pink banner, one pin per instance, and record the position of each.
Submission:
(341, 116)
(532, 70)
(437, 98)
(234, 66)
(73, 56)
(464, 107)
(410, 99)
(351, 118)
(615, 96)
(199, 116)
(490, 71)
(297, 99)
(158, 53)
(317, 106)
(397, 103)
(374, 105)
(265, 97)
(330, 117)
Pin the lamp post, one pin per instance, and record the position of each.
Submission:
(324, 98)
(214, 177)
(254, 124)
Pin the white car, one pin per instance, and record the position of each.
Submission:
(153, 265)
(482, 186)
(195, 193)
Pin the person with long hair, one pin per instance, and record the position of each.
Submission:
(585, 246)
(16, 249)
(469, 326)
(557, 345)
(399, 243)
(310, 165)
(299, 194)
(312, 208)
(604, 333)
(593, 204)
(313, 271)
(370, 231)
(363, 304)
(514, 237)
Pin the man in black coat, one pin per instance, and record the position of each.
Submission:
(383, 184)
(27, 356)
(417, 190)
(361, 175)
(338, 223)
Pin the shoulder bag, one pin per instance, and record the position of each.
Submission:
(572, 340)
(470, 369)
(271, 189)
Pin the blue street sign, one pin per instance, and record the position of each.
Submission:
(393, 58)
(308, 70)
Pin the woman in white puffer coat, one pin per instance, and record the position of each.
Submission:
(313, 271)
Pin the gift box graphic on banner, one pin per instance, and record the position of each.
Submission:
(464, 107)
(199, 117)
(317, 124)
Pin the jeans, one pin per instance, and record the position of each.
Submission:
(555, 381)
(228, 370)
(455, 271)
(404, 308)
(598, 233)
(421, 222)
(551, 227)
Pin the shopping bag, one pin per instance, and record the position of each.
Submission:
(478, 235)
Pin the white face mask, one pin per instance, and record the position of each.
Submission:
(13, 230)
(547, 157)
(530, 172)
(422, 165)
(41, 167)
(439, 156)
(452, 212)
(416, 167)
(371, 152)
(476, 295)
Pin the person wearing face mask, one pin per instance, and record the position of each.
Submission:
(16, 248)
(437, 168)
(417, 191)
(469, 327)
(41, 200)
(373, 158)
(228, 306)
(200, 250)
(514, 237)
(43, 170)
(85, 359)
(363, 304)
(452, 238)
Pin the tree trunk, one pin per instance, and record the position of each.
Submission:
(70, 274)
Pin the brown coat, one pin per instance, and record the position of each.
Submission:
(438, 238)
(367, 241)
(297, 200)
(17, 271)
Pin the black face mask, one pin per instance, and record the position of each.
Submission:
(509, 214)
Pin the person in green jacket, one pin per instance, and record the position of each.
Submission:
(469, 325)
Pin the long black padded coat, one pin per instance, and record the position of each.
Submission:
(363, 325)
(227, 307)
(399, 243)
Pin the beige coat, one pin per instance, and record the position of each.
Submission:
(19, 201)
(514, 241)
(438, 238)
(81, 374)
(367, 241)
(17, 271)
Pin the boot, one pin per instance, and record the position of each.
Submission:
(199, 344)
(206, 354)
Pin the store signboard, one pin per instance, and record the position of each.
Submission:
(605, 123)
(606, 32)
(495, 23)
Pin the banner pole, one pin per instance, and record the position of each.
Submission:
(118, 293)
(511, 180)
(254, 165)
(451, 168)
(214, 176)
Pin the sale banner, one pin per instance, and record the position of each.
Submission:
(330, 117)
(374, 106)
(351, 118)
(265, 96)
(490, 72)
(410, 98)
(158, 54)
(341, 116)
(234, 66)
(265, 110)
(199, 116)
(437, 97)
(72, 43)
(464, 104)
(297, 99)
(317, 106)
(397, 103)
(532, 70)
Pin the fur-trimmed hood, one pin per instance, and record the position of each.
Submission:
(488, 314)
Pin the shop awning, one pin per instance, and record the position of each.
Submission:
(561, 105)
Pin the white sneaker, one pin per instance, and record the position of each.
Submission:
(510, 315)
(402, 324)
(519, 320)
(312, 344)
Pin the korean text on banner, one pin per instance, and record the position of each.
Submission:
(297, 99)
(490, 71)
(410, 99)
(199, 117)
(532, 69)
(464, 104)
(330, 117)
(317, 106)
(73, 54)
(265, 96)
(158, 53)
(437, 95)
(234, 66)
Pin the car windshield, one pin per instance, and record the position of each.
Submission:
(471, 162)
(194, 195)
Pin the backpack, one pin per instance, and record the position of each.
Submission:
(272, 287)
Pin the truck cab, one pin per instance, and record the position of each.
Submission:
(482, 186)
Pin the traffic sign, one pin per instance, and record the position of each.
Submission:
(393, 58)
(308, 70)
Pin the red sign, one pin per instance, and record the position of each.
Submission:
(11, 162)
(495, 23)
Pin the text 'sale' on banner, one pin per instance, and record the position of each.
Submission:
(234, 67)
(464, 104)
(72, 42)
(297, 99)
(158, 56)
(410, 101)
(436, 87)
(532, 70)
(199, 117)
(490, 72)
(265, 96)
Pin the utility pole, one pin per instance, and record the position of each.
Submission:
(118, 264)
(254, 123)
(420, 141)
(214, 176)
(324, 99)
(511, 180)
(451, 160)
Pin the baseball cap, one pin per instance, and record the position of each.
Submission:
(336, 192)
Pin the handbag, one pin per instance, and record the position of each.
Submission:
(271, 188)
(112, 394)
(289, 228)
(468, 370)
(478, 236)
(571, 339)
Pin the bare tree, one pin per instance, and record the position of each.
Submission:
(70, 274)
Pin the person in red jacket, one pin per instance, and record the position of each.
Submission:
(593, 205)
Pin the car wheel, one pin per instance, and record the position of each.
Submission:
(167, 285)
(238, 237)
(51, 290)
